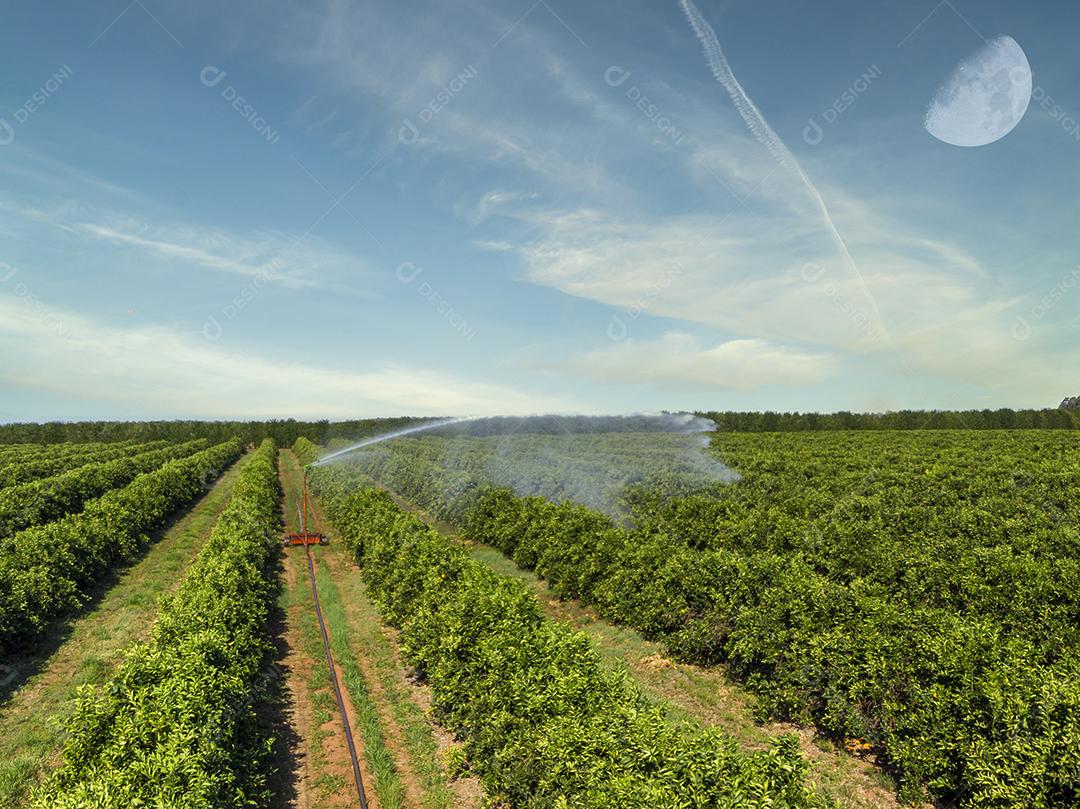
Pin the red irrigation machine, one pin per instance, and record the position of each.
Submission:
(306, 535)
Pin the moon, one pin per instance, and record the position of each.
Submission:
(984, 98)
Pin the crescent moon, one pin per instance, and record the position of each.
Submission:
(984, 98)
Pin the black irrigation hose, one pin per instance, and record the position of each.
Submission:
(334, 682)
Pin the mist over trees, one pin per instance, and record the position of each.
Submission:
(286, 431)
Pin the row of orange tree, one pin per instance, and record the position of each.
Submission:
(13, 453)
(37, 502)
(47, 571)
(38, 465)
(919, 591)
(179, 722)
(544, 722)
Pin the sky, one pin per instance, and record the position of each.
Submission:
(339, 209)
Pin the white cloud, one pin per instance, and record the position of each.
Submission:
(46, 171)
(946, 316)
(276, 257)
(156, 371)
(716, 232)
(680, 359)
(209, 249)
(491, 202)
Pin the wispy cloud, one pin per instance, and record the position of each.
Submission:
(47, 172)
(947, 316)
(765, 135)
(209, 249)
(156, 371)
(492, 202)
(275, 257)
(680, 359)
(731, 223)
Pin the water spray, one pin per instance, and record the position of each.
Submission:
(419, 428)
(567, 457)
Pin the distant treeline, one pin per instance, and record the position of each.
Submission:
(284, 432)
(1048, 419)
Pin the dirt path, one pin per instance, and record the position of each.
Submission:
(292, 722)
(693, 692)
(403, 749)
(89, 649)
(321, 765)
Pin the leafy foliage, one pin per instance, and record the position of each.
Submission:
(41, 465)
(916, 590)
(544, 723)
(15, 453)
(40, 501)
(45, 571)
(1003, 418)
(306, 452)
(177, 726)
(283, 431)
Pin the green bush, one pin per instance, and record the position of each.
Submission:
(40, 501)
(177, 724)
(46, 571)
(306, 451)
(919, 591)
(544, 723)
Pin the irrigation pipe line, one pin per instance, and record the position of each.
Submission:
(336, 685)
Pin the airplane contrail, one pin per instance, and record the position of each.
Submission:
(765, 135)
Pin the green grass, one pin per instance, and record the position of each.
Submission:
(32, 719)
(387, 785)
(367, 633)
(380, 762)
(356, 627)
(323, 709)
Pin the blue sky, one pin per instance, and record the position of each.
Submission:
(337, 209)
